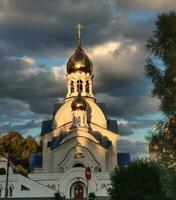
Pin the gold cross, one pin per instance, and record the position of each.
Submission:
(78, 29)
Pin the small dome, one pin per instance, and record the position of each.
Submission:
(79, 103)
(79, 61)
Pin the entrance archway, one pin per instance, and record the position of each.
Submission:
(78, 191)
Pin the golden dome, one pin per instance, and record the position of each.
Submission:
(79, 103)
(79, 61)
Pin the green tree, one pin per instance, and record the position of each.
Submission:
(19, 149)
(139, 180)
(162, 143)
(162, 147)
(92, 196)
(58, 196)
(161, 67)
(168, 181)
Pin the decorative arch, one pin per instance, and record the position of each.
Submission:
(10, 191)
(79, 86)
(72, 87)
(86, 157)
(87, 87)
(2, 171)
(79, 165)
(78, 190)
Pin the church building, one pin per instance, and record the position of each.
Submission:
(78, 137)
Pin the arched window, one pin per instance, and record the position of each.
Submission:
(87, 87)
(79, 121)
(79, 165)
(2, 171)
(79, 86)
(72, 86)
(10, 191)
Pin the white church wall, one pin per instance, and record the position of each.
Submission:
(21, 187)
(94, 114)
(94, 150)
(3, 165)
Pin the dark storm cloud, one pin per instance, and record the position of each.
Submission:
(20, 127)
(135, 29)
(136, 149)
(126, 128)
(35, 86)
(44, 26)
(9, 107)
(158, 5)
(121, 64)
(120, 80)
(16, 115)
(39, 28)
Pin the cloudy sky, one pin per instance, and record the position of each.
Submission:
(36, 39)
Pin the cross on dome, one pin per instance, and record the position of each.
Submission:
(78, 28)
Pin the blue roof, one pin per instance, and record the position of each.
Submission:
(112, 125)
(56, 141)
(46, 127)
(35, 161)
(102, 107)
(123, 159)
(104, 141)
(56, 107)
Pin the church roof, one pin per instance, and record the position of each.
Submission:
(112, 125)
(46, 127)
(104, 141)
(35, 161)
(56, 141)
(56, 108)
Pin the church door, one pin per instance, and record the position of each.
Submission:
(78, 192)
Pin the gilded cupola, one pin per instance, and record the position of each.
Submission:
(79, 103)
(79, 61)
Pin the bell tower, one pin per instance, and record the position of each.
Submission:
(79, 71)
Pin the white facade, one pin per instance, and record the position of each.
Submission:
(78, 137)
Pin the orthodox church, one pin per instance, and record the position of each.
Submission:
(79, 136)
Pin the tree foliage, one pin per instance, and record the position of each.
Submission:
(58, 196)
(168, 181)
(162, 143)
(139, 180)
(161, 67)
(19, 149)
(92, 196)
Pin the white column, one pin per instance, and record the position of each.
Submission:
(84, 88)
(69, 88)
(90, 88)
